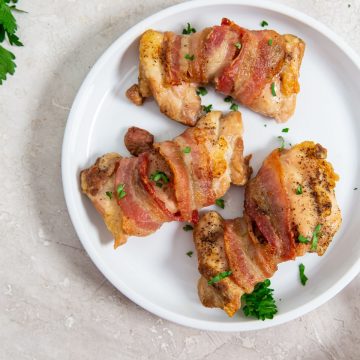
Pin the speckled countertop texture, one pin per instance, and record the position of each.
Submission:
(54, 303)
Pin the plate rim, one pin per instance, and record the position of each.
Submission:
(107, 272)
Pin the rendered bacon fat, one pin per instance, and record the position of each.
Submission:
(275, 215)
(171, 181)
(260, 69)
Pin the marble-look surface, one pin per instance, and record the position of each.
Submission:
(54, 303)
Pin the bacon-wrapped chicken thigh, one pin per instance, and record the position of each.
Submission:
(290, 209)
(167, 181)
(260, 69)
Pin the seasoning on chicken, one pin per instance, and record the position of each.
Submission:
(260, 69)
(280, 222)
(170, 182)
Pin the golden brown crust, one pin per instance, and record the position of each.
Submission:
(134, 95)
(96, 181)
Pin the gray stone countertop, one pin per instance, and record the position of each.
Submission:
(54, 303)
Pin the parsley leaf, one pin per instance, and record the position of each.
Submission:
(219, 277)
(282, 143)
(160, 178)
(303, 239)
(187, 150)
(315, 238)
(303, 277)
(189, 57)
(120, 191)
(270, 42)
(207, 108)
(238, 45)
(189, 253)
(285, 130)
(273, 92)
(299, 190)
(264, 23)
(7, 18)
(7, 64)
(228, 99)
(220, 203)
(188, 227)
(109, 194)
(260, 303)
(189, 29)
(201, 91)
(234, 107)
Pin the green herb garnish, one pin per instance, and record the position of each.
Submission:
(282, 143)
(273, 92)
(189, 253)
(188, 227)
(219, 277)
(285, 130)
(299, 190)
(260, 303)
(234, 107)
(270, 42)
(315, 238)
(201, 91)
(264, 23)
(189, 57)
(220, 203)
(238, 45)
(303, 239)
(160, 178)
(109, 194)
(188, 30)
(303, 277)
(228, 99)
(120, 191)
(187, 149)
(207, 108)
(8, 28)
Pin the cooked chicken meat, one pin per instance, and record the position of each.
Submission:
(170, 180)
(291, 196)
(260, 69)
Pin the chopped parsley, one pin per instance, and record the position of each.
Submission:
(273, 92)
(238, 45)
(303, 239)
(187, 149)
(188, 227)
(299, 190)
(285, 130)
(120, 191)
(270, 42)
(189, 253)
(201, 91)
(109, 194)
(228, 99)
(260, 303)
(234, 107)
(315, 238)
(219, 277)
(282, 143)
(303, 277)
(220, 203)
(160, 178)
(207, 108)
(189, 57)
(188, 30)
(264, 23)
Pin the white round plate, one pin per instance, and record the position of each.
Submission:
(154, 271)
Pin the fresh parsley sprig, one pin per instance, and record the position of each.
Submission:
(260, 303)
(8, 28)
(219, 277)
